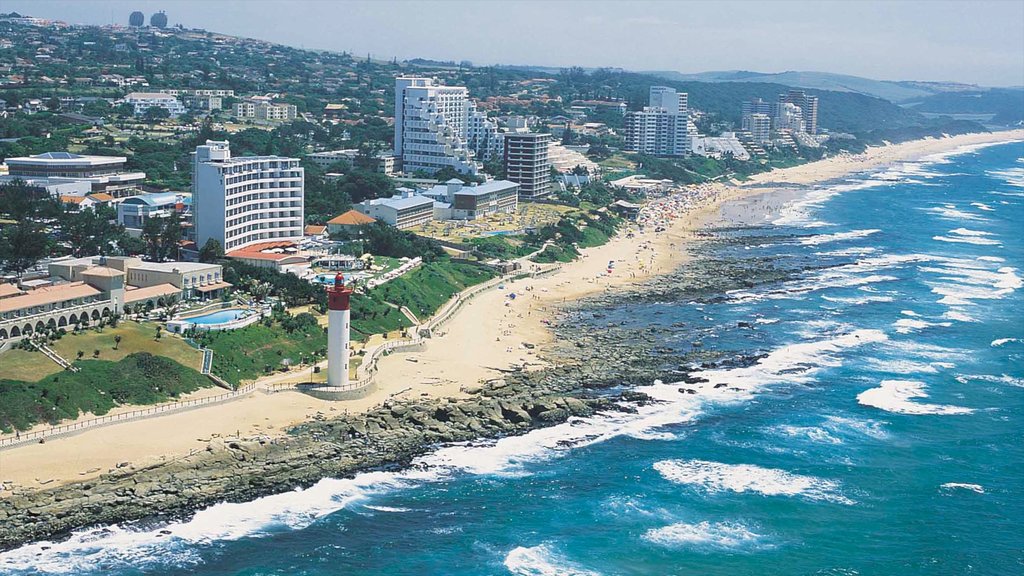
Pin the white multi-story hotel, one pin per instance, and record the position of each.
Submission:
(143, 101)
(431, 124)
(245, 201)
(482, 135)
(669, 99)
(663, 127)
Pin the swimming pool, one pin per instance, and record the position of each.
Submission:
(218, 317)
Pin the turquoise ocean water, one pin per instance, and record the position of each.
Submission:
(880, 432)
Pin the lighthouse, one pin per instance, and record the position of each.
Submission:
(338, 317)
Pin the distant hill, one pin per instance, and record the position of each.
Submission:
(1005, 104)
(892, 91)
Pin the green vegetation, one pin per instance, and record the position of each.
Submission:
(294, 291)
(428, 287)
(250, 352)
(372, 315)
(98, 386)
(501, 247)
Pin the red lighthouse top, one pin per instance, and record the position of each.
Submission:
(338, 294)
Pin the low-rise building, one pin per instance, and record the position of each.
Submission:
(349, 222)
(477, 200)
(133, 212)
(143, 101)
(403, 210)
(102, 173)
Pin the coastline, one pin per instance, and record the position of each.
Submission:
(452, 364)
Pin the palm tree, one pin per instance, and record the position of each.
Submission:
(117, 340)
(259, 290)
(159, 329)
(80, 354)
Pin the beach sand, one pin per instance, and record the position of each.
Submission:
(484, 339)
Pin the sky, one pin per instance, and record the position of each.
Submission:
(978, 42)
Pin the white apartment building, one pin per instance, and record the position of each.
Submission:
(527, 163)
(143, 101)
(662, 128)
(789, 117)
(669, 99)
(265, 111)
(482, 135)
(657, 131)
(431, 124)
(760, 127)
(245, 201)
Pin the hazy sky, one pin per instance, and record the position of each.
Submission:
(977, 41)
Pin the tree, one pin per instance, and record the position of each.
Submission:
(80, 354)
(212, 251)
(117, 341)
(159, 330)
(21, 246)
(156, 114)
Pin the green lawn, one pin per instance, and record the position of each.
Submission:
(370, 315)
(135, 337)
(98, 386)
(248, 353)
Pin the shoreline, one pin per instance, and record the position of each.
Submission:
(451, 365)
(463, 354)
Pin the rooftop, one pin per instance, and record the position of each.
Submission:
(48, 295)
(183, 267)
(351, 218)
(135, 294)
(64, 158)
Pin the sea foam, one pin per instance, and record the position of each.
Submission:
(896, 396)
(706, 536)
(715, 477)
(542, 561)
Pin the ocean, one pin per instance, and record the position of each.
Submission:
(879, 431)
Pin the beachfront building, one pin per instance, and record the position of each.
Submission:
(403, 210)
(431, 123)
(658, 132)
(808, 107)
(755, 106)
(527, 163)
(106, 174)
(148, 281)
(662, 128)
(760, 128)
(789, 117)
(482, 135)
(669, 99)
(476, 200)
(99, 293)
(143, 101)
(245, 201)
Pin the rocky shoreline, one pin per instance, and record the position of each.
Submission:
(592, 370)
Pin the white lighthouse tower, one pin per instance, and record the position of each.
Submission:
(338, 317)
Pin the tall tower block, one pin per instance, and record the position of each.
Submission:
(338, 317)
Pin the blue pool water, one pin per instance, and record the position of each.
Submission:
(218, 317)
(878, 434)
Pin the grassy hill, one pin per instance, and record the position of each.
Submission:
(98, 386)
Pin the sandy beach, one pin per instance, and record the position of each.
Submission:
(491, 334)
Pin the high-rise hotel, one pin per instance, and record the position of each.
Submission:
(247, 200)
(663, 127)
(431, 123)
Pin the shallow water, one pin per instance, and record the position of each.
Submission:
(880, 433)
